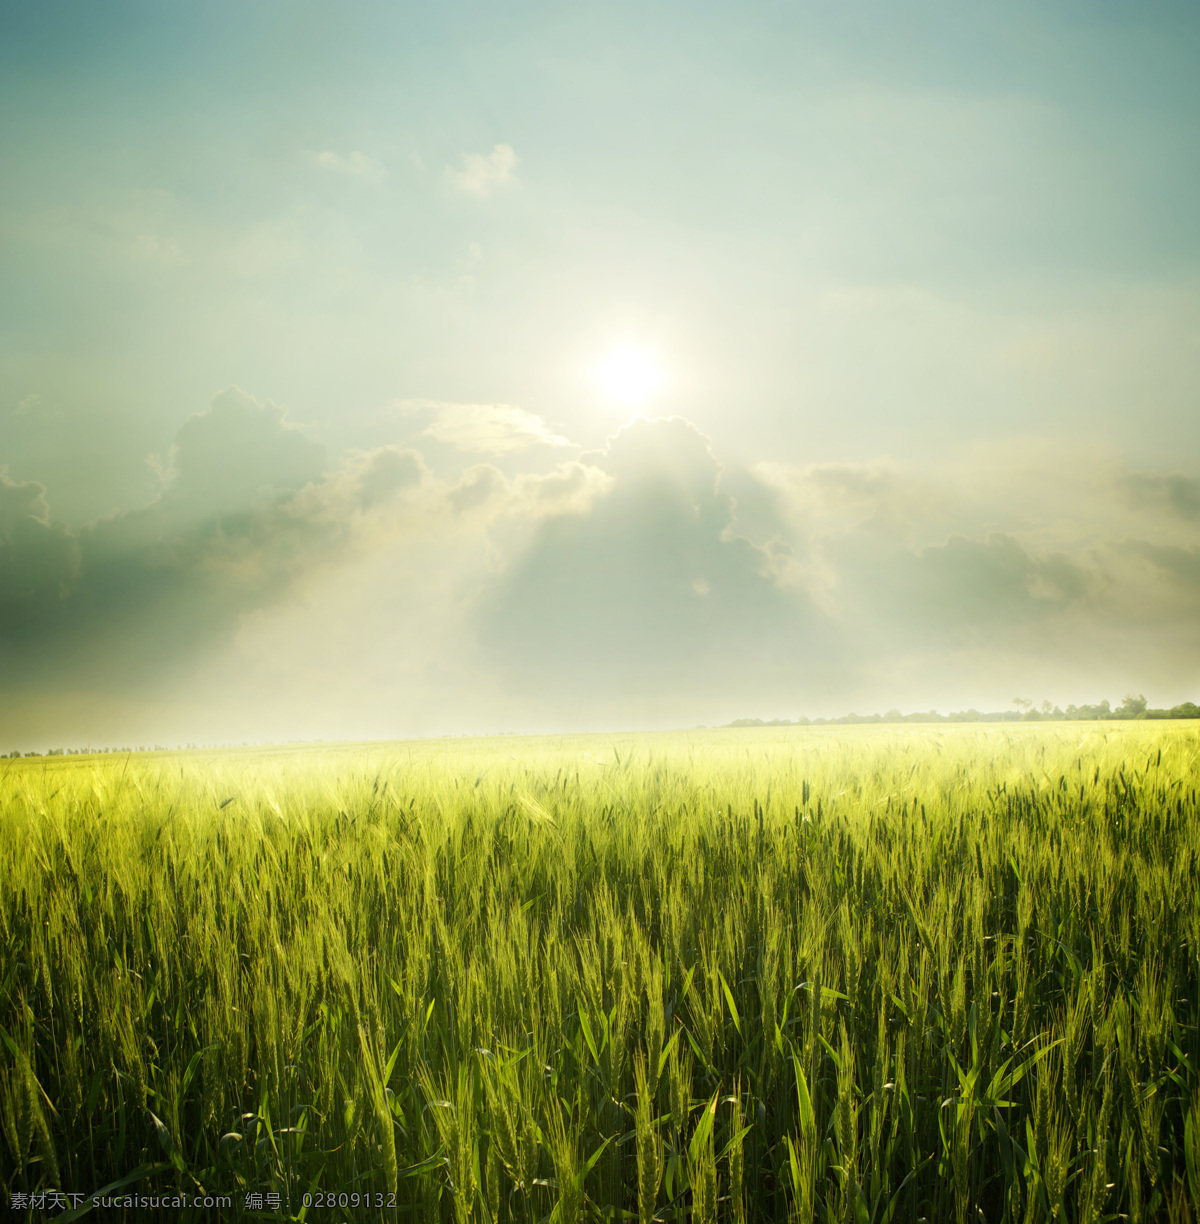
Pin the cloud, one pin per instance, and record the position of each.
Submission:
(1180, 564)
(875, 496)
(477, 486)
(1014, 560)
(385, 472)
(354, 164)
(249, 517)
(665, 456)
(630, 580)
(648, 591)
(20, 500)
(570, 488)
(247, 512)
(1174, 492)
(912, 555)
(38, 559)
(238, 453)
(490, 429)
(985, 584)
(481, 175)
(857, 575)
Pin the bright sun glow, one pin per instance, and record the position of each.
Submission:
(629, 376)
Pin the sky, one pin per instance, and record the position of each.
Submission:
(374, 370)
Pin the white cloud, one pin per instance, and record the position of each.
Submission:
(490, 429)
(355, 163)
(481, 175)
(571, 488)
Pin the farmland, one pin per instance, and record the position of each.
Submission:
(865, 974)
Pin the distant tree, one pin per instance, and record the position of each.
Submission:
(1132, 706)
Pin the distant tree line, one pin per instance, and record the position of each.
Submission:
(83, 751)
(1132, 707)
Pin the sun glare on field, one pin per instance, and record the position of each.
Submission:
(629, 376)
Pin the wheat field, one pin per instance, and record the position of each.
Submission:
(793, 974)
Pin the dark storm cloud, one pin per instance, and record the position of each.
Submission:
(246, 513)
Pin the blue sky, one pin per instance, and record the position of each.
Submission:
(916, 285)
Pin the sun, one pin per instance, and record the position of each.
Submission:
(629, 376)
